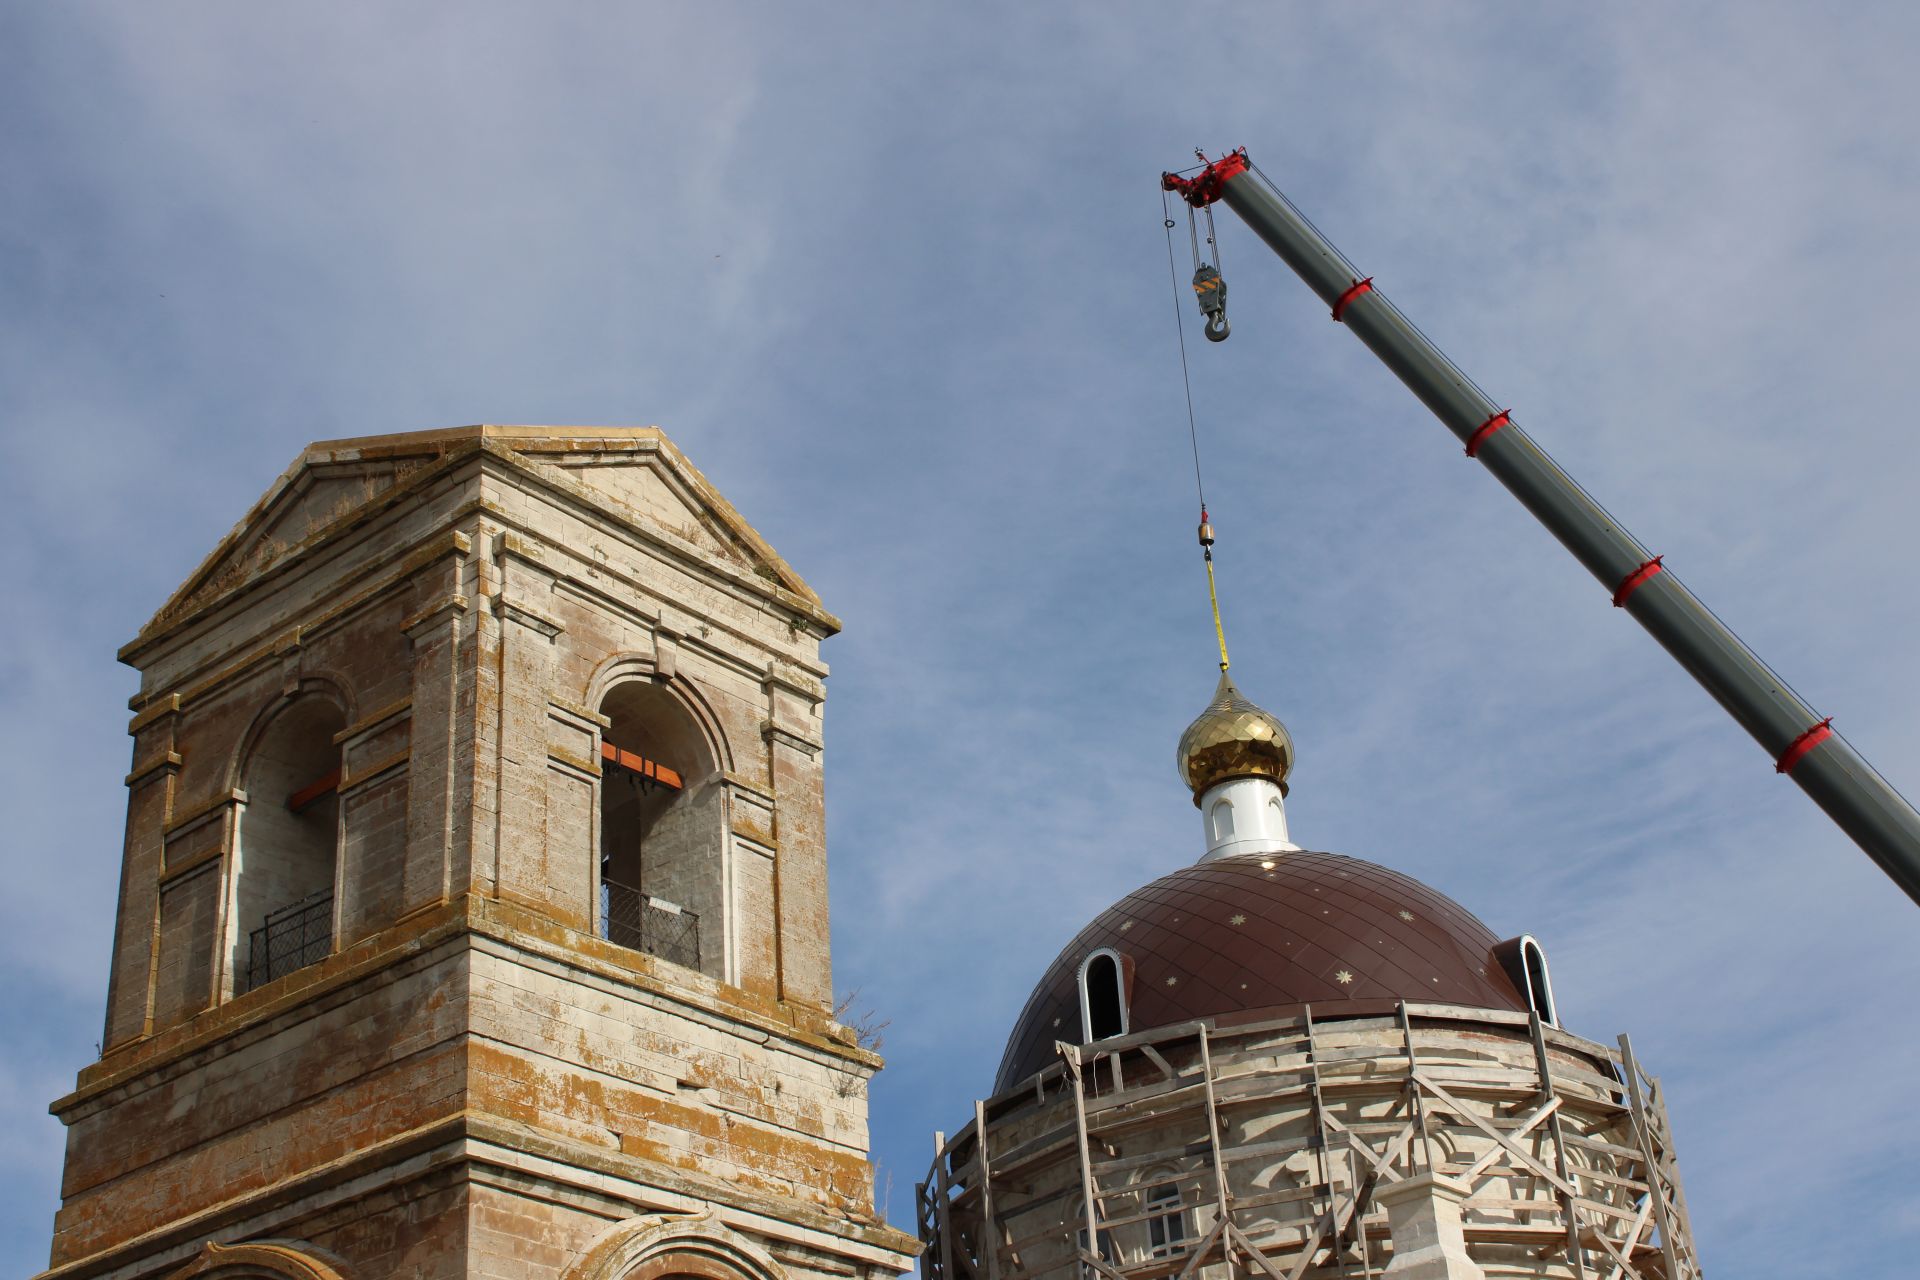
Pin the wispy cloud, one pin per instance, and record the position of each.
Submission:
(897, 282)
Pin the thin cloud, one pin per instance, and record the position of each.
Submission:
(897, 283)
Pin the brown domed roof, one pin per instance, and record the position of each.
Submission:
(1260, 935)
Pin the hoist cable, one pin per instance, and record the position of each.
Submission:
(1193, 429)
(1180, 329)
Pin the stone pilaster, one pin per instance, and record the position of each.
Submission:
(1423, 1217)
(434, 632)
(150, 788)
(792, 734)
(529, 872)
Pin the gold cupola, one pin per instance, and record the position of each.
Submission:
(1232, 739)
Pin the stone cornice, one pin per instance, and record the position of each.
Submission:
(164, 762)
(633, 525)
(141, 1064)
(259, 1256)
(475, 1146)
(749, 657)
(389, 570)
(787, 737)
(166, 624)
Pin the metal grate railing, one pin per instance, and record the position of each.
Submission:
(651, 925)
(292, 938)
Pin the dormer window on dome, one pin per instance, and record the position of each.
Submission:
(1242, 918)
(1526, 964)
(1103, 996)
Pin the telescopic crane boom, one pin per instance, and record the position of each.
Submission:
(1801, 742)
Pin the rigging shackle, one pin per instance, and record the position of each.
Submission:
(1211, 288)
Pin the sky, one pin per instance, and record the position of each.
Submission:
(895, 278)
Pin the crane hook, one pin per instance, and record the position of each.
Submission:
(1211, 289)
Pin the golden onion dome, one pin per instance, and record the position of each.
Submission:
(1233, 738)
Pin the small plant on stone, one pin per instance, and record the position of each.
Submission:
(867, 1025)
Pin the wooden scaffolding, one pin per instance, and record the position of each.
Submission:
(1277, 1136)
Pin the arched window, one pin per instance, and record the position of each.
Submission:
(1526, 965)
(1222, 820)
(259, 1260)
(1533, 962)
(662, 830)
(287, 854)
(1103, 997)
(1167, 1220)
(665, 1246)
(1108, 1253)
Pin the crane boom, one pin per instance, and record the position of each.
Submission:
(1801, 742)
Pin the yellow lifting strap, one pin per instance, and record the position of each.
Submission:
(1213, 594)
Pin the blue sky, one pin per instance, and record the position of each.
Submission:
(894, 277)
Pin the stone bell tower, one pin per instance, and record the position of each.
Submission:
(473, 916)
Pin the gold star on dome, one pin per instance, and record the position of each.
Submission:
(1407, 916)
(1238, 920)
(1125, 925)
(1171, 979)
(1343, 978)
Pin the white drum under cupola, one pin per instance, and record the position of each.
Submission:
(1235, 758)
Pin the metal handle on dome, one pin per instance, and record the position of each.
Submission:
(1826, 767)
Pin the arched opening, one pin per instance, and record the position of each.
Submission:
(1103, 1000)
(1222, 821)
(1109, 1253)
(287, 852)
(662, 830)
(1539, 985)
(260, 1260)
(1526, 965)
(669, 1246)
(1166, 1220)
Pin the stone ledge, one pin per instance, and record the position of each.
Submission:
(386, 957)
(517, 1148)
(483, 1149)
(528, 931)
(406, 1157)
(201, 595)
(429, 931)
(389, 570)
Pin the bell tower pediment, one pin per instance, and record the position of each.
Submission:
(634, 474)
